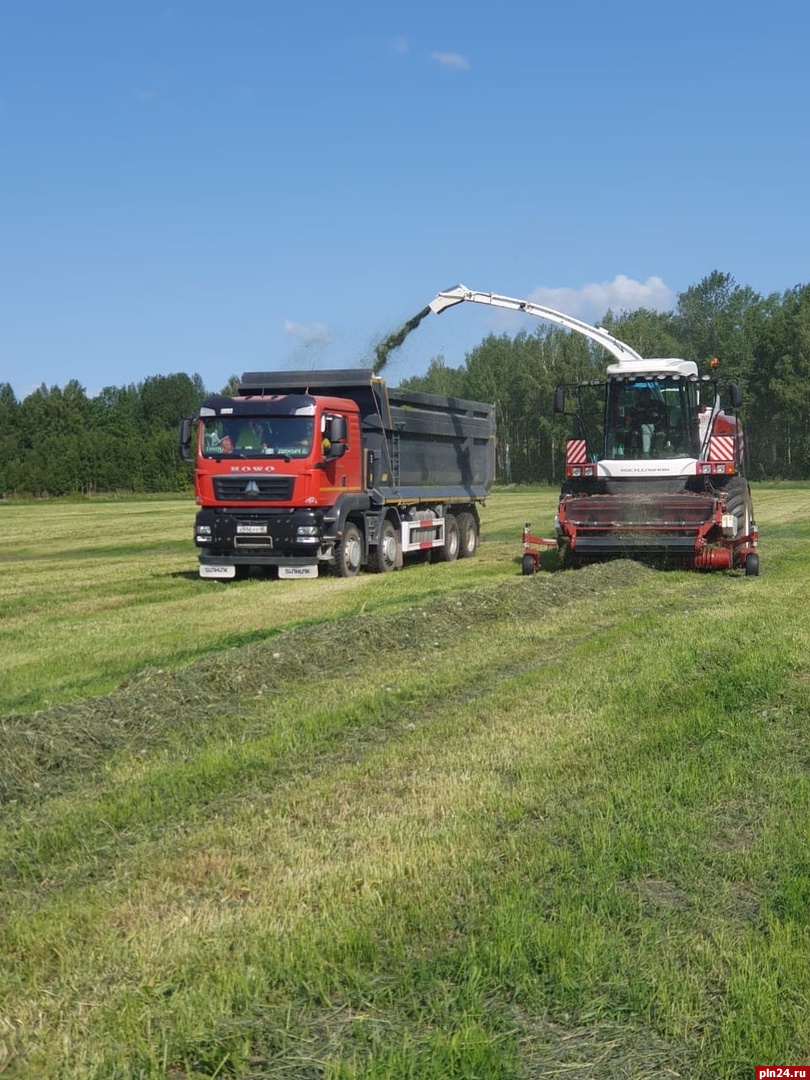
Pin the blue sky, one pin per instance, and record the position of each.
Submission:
(216, 186)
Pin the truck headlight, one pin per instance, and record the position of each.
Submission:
(204, 531)
(307, 530)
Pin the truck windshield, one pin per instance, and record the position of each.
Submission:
(265, 436)
(651, 418)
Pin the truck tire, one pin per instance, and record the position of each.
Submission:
(349, 552)
(467, 535)
(388, 554)
(449, 553)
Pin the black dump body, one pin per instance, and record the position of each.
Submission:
(418, 446)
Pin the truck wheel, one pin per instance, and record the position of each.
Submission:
(467, 535)
(751, 564)
(528, 565)
(449, 553)
(349, 552)
(388, 554)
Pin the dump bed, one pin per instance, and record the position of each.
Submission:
(418, 446)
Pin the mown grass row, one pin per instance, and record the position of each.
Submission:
(90, 592)
(510, 829)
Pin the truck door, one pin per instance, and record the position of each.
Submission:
(340, 455)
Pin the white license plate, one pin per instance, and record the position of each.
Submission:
(252, 529)
(211, 571)
(297, 571)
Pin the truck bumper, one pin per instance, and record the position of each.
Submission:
(230, 541)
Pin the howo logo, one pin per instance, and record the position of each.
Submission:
(252, 468)
(252, 489)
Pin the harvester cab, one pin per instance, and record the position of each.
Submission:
(654, 468)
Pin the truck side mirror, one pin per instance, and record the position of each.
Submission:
(559, 400)
(335, 436)
(184, 438)
(736, 396)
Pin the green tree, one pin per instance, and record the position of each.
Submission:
(650, 333)
(439, 379)
(780, 390)
(10, 456)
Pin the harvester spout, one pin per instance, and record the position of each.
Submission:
(450, 297)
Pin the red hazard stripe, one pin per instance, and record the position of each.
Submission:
(576, 452)
(721, 448)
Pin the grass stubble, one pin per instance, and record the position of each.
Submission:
(512, 828)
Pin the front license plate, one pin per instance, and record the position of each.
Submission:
(297, 571)
(254, 530)
(217, 571)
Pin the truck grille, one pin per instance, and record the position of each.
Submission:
(253, 488)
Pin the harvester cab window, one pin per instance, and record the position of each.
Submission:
(650, 418)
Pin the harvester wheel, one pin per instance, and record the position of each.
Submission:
(738, 502)
(349, 552)
(751, 564)
(467, 535)
(388, 554)
(528, 565)
(449, 553)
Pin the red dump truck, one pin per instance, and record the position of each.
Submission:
(302, 470)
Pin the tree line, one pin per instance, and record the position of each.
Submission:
(58, 441)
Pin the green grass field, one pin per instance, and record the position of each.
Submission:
(446, 823)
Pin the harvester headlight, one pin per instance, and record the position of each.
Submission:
(576, 471)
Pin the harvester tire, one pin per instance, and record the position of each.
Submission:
(449, 553)
(528, 565)
(467, 535)
(738, 502)
(751, 564)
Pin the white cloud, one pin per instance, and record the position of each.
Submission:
(592, 301)
(451, 60)
(401, 44)
(315, 333)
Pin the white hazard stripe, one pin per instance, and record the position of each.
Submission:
(576, 452)
(721, 448)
